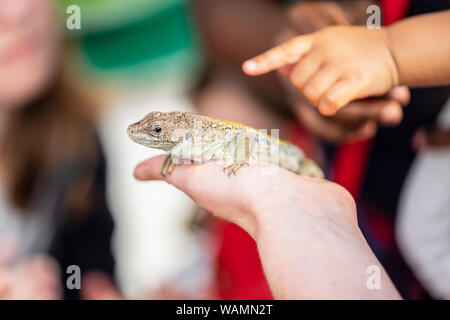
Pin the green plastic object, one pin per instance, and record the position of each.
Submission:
(140, 37)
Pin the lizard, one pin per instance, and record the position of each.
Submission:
(189, 137)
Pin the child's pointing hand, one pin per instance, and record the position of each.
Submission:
(333, 66)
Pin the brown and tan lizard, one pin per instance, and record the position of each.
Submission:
(194, 138)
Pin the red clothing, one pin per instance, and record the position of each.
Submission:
(239, 270)
(240, 274)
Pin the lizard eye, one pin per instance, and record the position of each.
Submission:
(156, 130)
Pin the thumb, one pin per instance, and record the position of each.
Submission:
(150, 169)
(181, 178)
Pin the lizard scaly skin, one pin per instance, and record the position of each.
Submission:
(194, 138)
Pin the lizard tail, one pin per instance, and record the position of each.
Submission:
(309, 168)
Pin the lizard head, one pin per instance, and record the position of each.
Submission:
(160, 130)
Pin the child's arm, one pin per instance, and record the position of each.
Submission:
(337, 65)
(421, 49)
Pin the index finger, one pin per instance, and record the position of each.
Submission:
(400, 94)
(285, 54)
(183, 175)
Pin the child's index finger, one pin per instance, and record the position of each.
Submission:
(285, 54)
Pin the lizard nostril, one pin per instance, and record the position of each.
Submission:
(131, 130)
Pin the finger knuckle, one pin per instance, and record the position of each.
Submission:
(311, 92)
(345, 197)
(288, 55)
(297, 80)
(331, 100)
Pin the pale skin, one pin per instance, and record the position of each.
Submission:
(34, 278)
(340, 64)
(305, 229)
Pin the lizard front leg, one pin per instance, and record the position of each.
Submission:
(233, 168)
(240, 150)
(167, 166)
(184, 152)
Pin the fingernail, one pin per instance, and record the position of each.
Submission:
(390, 115)
(250, 66)
(140, 173)
(369, 130)
(327, 110)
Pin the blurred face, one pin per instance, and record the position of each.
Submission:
(28, 49)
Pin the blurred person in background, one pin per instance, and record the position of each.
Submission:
(139, 56)
(423, 220)
(53, 212)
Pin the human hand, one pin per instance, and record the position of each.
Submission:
(5, 283)
(359, 120)
(97, 285)
(37, 278)
(329, 67)
(305, 229)
(433, 137)
(243, 198)
(309, 16)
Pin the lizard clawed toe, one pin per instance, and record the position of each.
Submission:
(232, 169)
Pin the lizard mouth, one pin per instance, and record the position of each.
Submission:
(147, 141)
